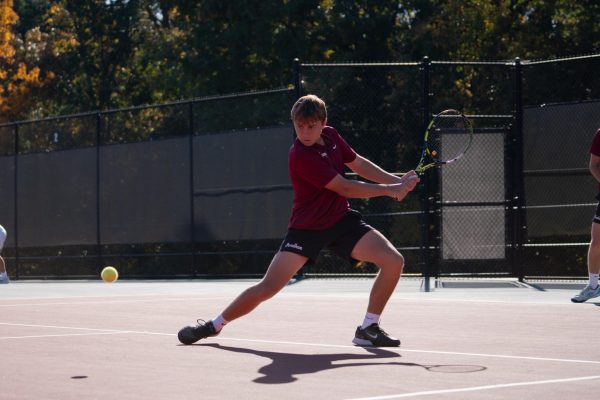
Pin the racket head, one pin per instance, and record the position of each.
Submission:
(447, 138)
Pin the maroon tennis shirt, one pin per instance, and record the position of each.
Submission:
(311, 168)
(595, 148)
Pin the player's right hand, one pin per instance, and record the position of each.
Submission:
(408, 183)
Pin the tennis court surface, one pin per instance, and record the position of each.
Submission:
(90, 340)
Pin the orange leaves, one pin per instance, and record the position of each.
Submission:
(16, 77)
(8, 18)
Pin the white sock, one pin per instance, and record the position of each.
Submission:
(594, 280)
(370, 319)
(219, 322)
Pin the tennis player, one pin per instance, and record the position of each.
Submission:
(593, 289)
(3, 273)
(322, 218)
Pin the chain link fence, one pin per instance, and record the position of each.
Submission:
(174, 190)
(561, 114)
(199, 188)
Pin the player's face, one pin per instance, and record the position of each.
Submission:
(308, 132)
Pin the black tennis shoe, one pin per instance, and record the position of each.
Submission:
(373, 335)
(192, 333)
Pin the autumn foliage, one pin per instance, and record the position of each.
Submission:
(16, 76)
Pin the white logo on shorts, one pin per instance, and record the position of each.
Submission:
(294, 246)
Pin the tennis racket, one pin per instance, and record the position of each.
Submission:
(447, 138)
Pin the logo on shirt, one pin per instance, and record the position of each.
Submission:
(323, 155)
(294, 246)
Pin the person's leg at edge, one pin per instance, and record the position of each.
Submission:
(3, 273)
(592, 289)
(594, 255)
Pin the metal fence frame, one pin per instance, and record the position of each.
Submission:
(429, 194)
(99, 115)
(514, 203)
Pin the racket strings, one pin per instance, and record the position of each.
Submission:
(449, 136)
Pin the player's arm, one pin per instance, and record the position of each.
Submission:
(350, 188)
(369, 170)
(595, 166)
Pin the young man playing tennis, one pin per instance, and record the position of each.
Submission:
(3, 273)
(593, 289)
(321, 218)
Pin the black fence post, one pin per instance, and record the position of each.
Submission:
(16, 200)
(192, 210)
(297, 79)
(98, 194)
(425, 186)
(518, 174)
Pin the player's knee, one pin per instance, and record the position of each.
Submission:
(399, 262)
(394, 263)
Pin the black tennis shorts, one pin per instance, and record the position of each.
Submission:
(340, 238)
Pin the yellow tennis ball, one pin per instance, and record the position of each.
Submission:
(109, 274)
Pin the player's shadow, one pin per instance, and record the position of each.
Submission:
(284, 367)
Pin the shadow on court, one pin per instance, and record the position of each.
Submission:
(284, 367)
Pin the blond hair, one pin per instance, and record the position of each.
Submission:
(309, 107)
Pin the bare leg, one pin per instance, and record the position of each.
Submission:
(2, 239)
(593, 260)
(282, 268)
(594, 250)
(374, 247)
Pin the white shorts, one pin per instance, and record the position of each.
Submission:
(2, 237)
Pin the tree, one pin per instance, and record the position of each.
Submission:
(16, 76)
(106, 54)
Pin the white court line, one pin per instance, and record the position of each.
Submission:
(62, 335)
(478, 388)
(503, 356)
(95, 331)
(483, 355)
(400, 349)
(386, 397)
(62, 303)
(544, 298)
(67, 327)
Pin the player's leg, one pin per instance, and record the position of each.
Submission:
(282, 268)
(375, 248)
(592, 289)
(594, 250)
(3, 273)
